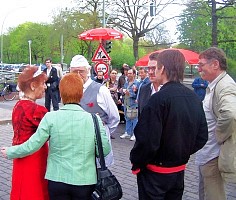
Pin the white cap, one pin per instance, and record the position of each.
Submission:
(79, 61)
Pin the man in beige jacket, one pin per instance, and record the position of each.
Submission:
(217, 159)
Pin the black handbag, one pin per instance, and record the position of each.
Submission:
(108, 187)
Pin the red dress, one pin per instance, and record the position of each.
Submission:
(28, 173)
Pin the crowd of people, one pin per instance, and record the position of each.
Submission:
(55, 152)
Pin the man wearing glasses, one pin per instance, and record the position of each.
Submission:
(51, 93)
(171, 127)
(96, 99)
(150, 88)
(216, 160)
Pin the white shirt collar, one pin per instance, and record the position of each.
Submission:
(87, 83)
(212, 85)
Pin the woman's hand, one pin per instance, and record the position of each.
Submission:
(4, 152)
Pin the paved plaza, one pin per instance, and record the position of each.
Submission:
(121, 168)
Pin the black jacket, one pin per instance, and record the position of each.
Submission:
(172, 126)
(52, 78)
(143, 97)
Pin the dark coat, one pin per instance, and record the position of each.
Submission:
(144, 96)
(52, 78)
(172, 126)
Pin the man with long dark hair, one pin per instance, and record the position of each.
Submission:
(172, 126)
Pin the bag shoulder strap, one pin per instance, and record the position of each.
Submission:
(99, 142)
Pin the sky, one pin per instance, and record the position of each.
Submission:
(15, 12)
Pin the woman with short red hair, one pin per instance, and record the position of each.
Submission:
(28, 181)
(71, 166)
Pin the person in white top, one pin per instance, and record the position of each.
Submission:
(96, 99)
(216, 160)
(60, 75)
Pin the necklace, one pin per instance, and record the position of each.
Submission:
(26, 97)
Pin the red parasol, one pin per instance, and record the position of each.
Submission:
(190, 57)
(101, 34)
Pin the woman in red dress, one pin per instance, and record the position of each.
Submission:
(28, 181)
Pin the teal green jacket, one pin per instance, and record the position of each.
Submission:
(72, 145)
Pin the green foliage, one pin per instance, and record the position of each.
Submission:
(232, 68)
(194, 27)
(195, 34)
(121, 53)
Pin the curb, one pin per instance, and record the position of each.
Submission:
(5, 121)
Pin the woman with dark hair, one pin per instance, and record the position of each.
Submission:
(112, 85)
(121, 81)
(28, 173)
(71, 166)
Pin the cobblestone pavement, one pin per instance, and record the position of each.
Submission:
(121, 169)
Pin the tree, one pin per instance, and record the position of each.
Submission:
(93, 10)
(194, 26)
(216, 14)
(156, 39)
(198, 32)
(213, 13)
(132, 17)
(70, 23)
(17, 49)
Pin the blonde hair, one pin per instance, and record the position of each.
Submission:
(71, 88)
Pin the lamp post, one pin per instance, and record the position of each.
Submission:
(62, 49)
(103, 14)
(2, 36)
(30, 41)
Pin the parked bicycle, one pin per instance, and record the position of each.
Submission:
(7, 90)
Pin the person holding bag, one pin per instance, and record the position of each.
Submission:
(71, 167)
(108, 187)
(130, 105)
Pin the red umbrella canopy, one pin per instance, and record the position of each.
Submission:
(101, 33)
(190, 57)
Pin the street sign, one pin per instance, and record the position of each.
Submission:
(100, 54)
(101, 66)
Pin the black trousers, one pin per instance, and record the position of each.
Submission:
(63, 191)
(51, 95)
(152, 185)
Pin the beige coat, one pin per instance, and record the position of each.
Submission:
(224, 108)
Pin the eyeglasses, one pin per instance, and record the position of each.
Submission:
(202, 64)
(48, 62)
(151, 68)
(79, 71)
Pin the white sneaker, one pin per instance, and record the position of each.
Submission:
(132, 138)
(125, 135)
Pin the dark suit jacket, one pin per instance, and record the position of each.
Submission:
(144, 96)
(52, 78)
